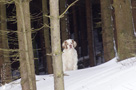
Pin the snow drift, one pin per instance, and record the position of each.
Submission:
(112, 75)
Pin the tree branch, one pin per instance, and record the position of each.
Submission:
(62, 15)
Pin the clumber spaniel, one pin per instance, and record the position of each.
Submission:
(69, 55)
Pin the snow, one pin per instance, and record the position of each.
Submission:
(111, 75)
(115, 49)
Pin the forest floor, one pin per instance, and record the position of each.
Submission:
(111, 75)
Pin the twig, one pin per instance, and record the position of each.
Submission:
(47, 16)
(45, 25)
(68, 8)
(11, 50)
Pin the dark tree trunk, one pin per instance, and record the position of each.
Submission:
(124, 27)
(134, 13)
(5, 64)
(107, 29)
(47, 36)
(75, 27)
(43, 51)
(83, 34)
(36, 62)
(63, 21)
(89, 31)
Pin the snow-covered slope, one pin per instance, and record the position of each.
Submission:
(108, 76)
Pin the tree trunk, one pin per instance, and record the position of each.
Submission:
(5, 64)
(28, 81)
(89, 31)
(36, 61)
(56, 45)
(124, 27)
(107, 29)
(47, 36)
(74, 15)
(82, 27)
(63, 21)
(134, 13)
(43, 52)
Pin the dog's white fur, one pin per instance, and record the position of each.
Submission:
(69, 55)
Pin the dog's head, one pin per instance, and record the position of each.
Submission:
(68, 44)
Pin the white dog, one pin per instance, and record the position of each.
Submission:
(69, 55)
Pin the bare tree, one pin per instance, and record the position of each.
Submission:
(56, 45)
(28, 81)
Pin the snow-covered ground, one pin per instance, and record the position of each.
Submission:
(108, 76)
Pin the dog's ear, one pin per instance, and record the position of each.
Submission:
(74, 43)
(64, 44)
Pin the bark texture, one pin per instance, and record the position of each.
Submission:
(134, 12)
(5, 64)
(47, 36)
(28, 81)
(124, 27)
(56, 45)
(107, 29)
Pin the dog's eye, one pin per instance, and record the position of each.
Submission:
(66, 43)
